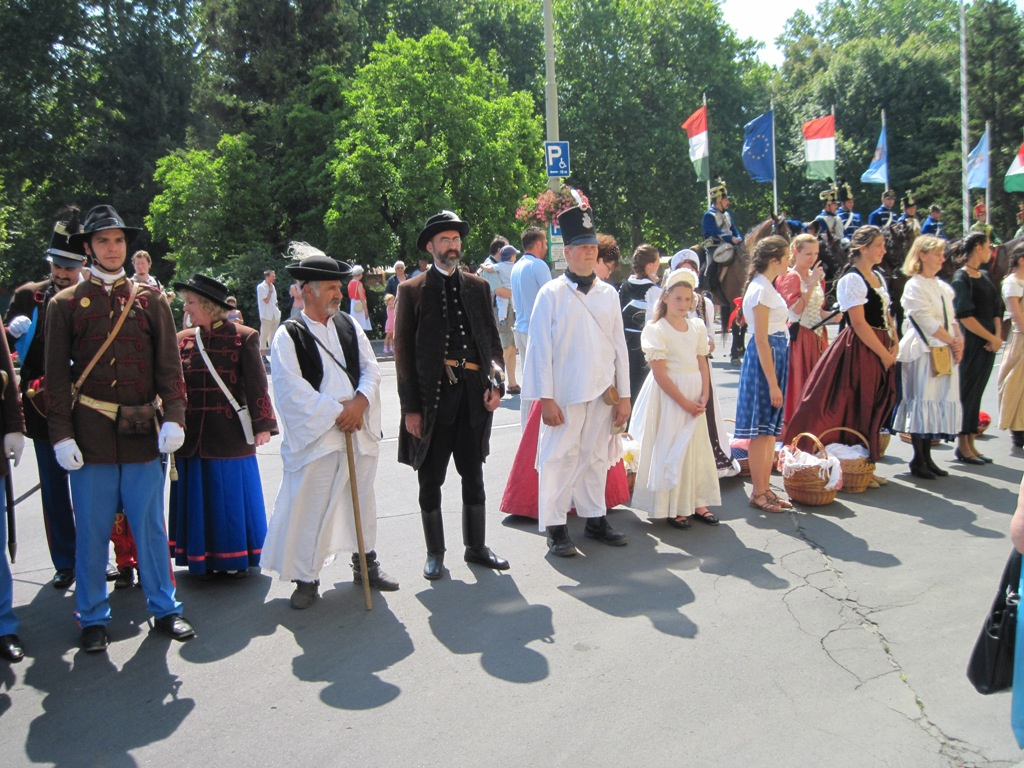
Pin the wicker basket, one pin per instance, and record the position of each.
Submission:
(743, 462)
(883, 443)
(857, 473)
(806, 486)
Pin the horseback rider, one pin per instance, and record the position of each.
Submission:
(884, 215)
(721, 236)
(910, 214)
(933, 224)
(850, 220)
(828, 218)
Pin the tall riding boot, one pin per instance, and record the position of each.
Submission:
(918, 464)
(433, 532)
(929, 462)
(474, 524)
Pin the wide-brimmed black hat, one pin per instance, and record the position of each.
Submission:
(319, 267)
(577, 226)
(102, 217)
(441, 222)
(208, 288)
(64, 251)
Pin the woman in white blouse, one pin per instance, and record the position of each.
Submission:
(854, 383)
(765, 368)
(930, 408)
(1011, 371)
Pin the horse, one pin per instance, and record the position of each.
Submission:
(999, 264)
(899, 236)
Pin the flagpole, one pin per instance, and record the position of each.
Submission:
(885, 150)
(988, 171)
(707, 181)
(775, 177)
(964, 137)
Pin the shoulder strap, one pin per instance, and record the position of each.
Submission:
(303, 330)
(110, 339)
(214, 374)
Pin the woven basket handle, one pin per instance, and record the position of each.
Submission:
(847, 429)
(817, 442)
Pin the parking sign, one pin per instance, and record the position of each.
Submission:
(557, 155)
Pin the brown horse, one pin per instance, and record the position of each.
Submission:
(898, 239)
(999, 265)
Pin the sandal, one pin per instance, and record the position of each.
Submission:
(706, 517)
(767, 505)
(775, 498)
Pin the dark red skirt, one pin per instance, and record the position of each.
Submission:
(848, 387)
(520, 497)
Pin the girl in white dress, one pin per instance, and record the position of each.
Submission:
(677, 478)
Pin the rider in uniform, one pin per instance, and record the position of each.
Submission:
(719, 230)
(933, 224)
(828, 218)
(850, 220)
(910, 213)
(884, 215)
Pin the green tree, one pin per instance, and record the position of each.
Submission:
(431, 127)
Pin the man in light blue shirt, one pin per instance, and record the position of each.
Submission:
(529, 275)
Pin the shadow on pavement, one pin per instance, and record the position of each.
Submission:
(493, 619)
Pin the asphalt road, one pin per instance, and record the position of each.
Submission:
(830, 636)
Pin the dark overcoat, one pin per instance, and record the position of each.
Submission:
(31, 299)
(420, 335)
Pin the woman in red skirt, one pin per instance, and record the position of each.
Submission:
(803, 288)
(854, 383)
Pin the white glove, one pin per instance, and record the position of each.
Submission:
(172, 437)
(19, 326)
(14, 444)
(68, 454)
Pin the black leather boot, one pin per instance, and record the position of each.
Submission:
(378, 578)
(928, 462)
(918, 464)
(598, 528)
(474, 525)
(433, 532)
(559, 542)
(739, 335)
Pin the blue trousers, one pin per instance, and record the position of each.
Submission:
(8, 621)
(58, 514)
(99, 491)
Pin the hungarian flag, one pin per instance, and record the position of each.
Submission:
(1014, 181)
(696, 127)
(820, 147)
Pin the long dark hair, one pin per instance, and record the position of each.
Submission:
(962, 249)
(862, 238)
(643, 256)
(773, 248)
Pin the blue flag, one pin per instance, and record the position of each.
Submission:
(878, 171)
(977, 165)
(759, 148)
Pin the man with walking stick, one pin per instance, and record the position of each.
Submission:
(327, 398)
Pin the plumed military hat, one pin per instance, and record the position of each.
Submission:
(577, 224)
(103, 217)
(830, 195)
(208, 288)
(908, 200)
(719, 191)
(845, 191)
(441, 222)
(65, 250)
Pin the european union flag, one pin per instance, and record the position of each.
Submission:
(759, 147)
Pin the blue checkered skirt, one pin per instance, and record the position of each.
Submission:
(755, 416)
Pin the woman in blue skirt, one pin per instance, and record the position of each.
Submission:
(217, 518)
(765, 369)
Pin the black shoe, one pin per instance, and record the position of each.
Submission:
(94, 638)
(63, 578)
(598, 528)
(683, 524)
(934, 468)
(112, 572)
(483, 556)
(11, 648)
(378, 578)
(433, 569)
(433, 535)
(922, 471)
(985, 459)
(1018, 438)
(174, 626)
(977, 461)
(125, 578)
(559, 542)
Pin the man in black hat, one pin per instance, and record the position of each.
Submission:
(446, 347)
(326, 385)
(577, 365)
(909, 217)
(849, 218)
(26, 328)
(111, 352)
(828, 218)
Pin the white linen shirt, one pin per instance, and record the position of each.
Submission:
(923, 299)
(577, 347)
(761, 291)
(306, 415)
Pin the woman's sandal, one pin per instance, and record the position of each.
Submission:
(706, 517)
(784, 503)
(767, 505)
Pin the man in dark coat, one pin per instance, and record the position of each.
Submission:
(446, 347)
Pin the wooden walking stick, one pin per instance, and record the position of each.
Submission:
(359, 522)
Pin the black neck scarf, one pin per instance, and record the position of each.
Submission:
(582, 283)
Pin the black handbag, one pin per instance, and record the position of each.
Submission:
(990, 668)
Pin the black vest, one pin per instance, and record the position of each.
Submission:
(308, 353)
